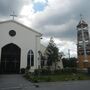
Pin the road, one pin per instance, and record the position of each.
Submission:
(17, 82)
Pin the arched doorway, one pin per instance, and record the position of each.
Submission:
(10, 58)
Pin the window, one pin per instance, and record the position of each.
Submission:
(12, 33)
(30, 58)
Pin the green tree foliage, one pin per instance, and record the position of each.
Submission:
(52, 53)
(69, 63)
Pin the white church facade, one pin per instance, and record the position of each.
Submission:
(19, 46)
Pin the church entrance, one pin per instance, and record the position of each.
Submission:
(10, 59)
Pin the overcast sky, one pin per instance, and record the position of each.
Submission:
(53, 18)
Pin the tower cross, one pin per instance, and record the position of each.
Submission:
(81, 16)
(13, 15)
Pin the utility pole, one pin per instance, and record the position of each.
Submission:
(69, 54)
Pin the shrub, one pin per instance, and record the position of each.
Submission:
(28, 67)
(45, 72)
(42, 72)
(36, 72)
(74, 70)
(34, 80)
(89, 70)
(69, 70)
(57, 72)
(22, 70)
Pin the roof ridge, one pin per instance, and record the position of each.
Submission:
(21, 25)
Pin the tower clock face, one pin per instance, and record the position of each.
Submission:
(12, 33)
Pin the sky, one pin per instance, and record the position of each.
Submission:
(52, 18)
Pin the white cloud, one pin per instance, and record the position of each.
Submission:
(26, 14)
(51, 22)
(58, 19)
(41, 1)
(27, 2)
(63, 46)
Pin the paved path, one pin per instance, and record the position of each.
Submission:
(14, 82)
(17, 82)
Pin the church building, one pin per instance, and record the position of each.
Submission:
(19, 46)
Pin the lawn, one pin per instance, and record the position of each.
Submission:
(59, 77)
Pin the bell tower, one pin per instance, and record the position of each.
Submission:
(83, 45)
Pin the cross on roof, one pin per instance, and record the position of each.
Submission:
(13, 15)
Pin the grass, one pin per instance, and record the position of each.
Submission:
(59, 77)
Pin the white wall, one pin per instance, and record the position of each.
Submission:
(25, 39)
(42, 48)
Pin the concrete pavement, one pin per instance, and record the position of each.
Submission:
(17, 82)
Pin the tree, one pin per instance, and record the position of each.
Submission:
(61, 54)
(73, 62)
(42, 58)
(69, 63)
(52, 53)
